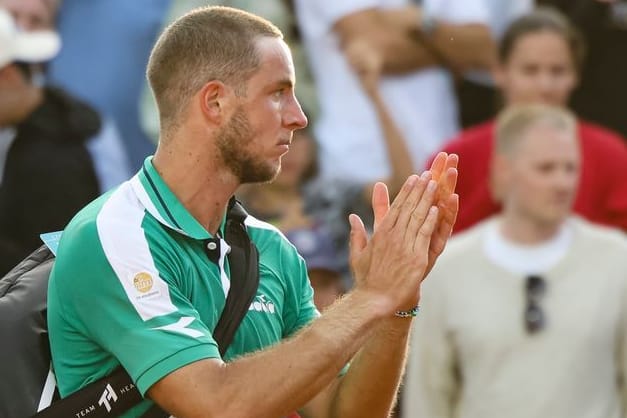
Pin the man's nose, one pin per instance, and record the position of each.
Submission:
(294, 117)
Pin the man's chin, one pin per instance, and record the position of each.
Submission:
(261, 176)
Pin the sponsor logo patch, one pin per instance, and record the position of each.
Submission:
(262, 304)
(142, 282)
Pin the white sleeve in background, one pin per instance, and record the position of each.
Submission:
(319, 16)
(109, 156)
(497, 14)
(459, 11)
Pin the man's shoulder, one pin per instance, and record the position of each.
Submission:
(83, 224)
(264, 234)
(459, 268)
(461, 254)
(270, 241)
(600, 236)
(105, 222)
(466, 241)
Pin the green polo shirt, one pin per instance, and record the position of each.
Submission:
(135, 284)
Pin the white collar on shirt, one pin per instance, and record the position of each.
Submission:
(526, 259)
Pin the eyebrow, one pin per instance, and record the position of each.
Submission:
(285, 83)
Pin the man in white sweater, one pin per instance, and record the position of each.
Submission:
(526, 314)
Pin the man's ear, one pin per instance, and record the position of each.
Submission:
(215, 99)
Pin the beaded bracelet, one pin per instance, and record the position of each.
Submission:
(408, 314)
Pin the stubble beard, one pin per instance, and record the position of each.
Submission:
(233, 143)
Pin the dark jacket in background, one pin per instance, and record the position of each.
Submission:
(49, 174)
(602, 93)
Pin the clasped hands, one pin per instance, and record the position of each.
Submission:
(409, 235)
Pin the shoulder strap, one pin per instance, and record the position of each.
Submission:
(110, 396)
(244, 266)
(116, 393)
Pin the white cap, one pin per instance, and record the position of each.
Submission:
(16, 45)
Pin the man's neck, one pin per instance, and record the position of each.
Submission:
(522, 230)
(201, 187)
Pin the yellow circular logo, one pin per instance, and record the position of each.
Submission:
(142, 282)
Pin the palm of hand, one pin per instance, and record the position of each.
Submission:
(409, 234)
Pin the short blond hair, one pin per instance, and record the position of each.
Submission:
(513, 123)
(208, 43)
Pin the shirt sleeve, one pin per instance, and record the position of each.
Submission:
(300, 309)
(455, 11)
(130, 306)
(323, 14)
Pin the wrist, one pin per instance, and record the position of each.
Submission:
(379, 306)
(409, 313)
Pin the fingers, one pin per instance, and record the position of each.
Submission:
(451, 161)
(448, 214)
(423, 237)
(396, 207)
(380, 203)
(438, 165)
(417, 216)
(358, 235)
(444, 169)
(449, 181)
(412, 202)
(449, 207)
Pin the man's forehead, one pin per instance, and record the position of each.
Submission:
(275, 59)
(545, 141)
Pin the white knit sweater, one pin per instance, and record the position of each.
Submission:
(472, 358)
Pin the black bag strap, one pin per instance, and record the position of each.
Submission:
(244, 266)
(110, 396)
(116, 393)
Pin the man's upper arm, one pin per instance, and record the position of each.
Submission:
(184, 392)
(398, 50)
(360, 24)
(300, 309)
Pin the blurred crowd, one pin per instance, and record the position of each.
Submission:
(525, 314)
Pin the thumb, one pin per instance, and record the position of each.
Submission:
(358, 235)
